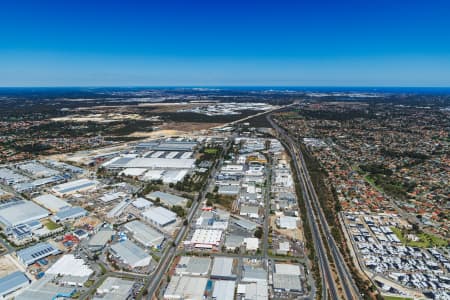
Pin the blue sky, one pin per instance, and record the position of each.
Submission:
(201, 43)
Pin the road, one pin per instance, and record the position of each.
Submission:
(267, 207)
(311, 200)
(170, 252)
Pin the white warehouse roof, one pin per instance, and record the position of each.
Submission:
(131, 254)
(71, 266)
(19, 211)
(144, 234)
(74, 186)
(51, 202)
(223, 289)
(186, 287)
(159, 216)
(161, 163)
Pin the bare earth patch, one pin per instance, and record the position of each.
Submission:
(189, 126)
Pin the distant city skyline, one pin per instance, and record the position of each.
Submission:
(207, 43)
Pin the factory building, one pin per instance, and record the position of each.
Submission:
(186, 287)
(167, 199)
(144, 234)
(34, 253)
(69, 213)
(12, 283)
(17, 211)
(130, 254)
(223, 268)
(159, 216)
(75, 186)
(51, 202)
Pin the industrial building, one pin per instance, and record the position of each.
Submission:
(99, 240)
(51, 202)
(206, 238)
(108, 197)
(159, 216)
(186, 287)
(251, 243)
(69, 213)
(34, 253)
(70, 270)
(141, 203)
(223, 268)
(75, 186)
(36, 169)
(167, 176)
(250, 211)
(46, 288)
(144, 234)
(223, 289)
(194, 266)
(167, 199)
(184, 146)
(149, 163)
(114, 288)
(130, 254)
(12, 283)
(229, 190)
(253, 290)
(286, 277)
(287, 222)
(17, 211)
(10, 177)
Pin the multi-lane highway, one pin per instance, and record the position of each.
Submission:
(317, 224)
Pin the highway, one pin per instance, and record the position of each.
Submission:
(311, 200)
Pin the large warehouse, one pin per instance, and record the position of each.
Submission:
(17, 211)
(186, 287)
(130, 254)
(70, 270)
(159, 216)
(144, 234)
(76, 186)
(34, 253)
(168, 199)
(12, 283)
(206, 238)
(223, 268)
(51, 202)
(149, 163)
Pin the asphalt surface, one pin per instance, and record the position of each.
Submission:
(170, 252)
(311, 200)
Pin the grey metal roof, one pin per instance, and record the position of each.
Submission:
(101, 238)
(144, 234)
(252, 273)
(70, 212)
(287, 282)
(223, 289)
(34, 253)
(222, 267)
(12, 281)
(198, 265)
(129, 252)
(19, 211)
(167, 198)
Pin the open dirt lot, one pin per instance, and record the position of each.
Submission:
(295, 234)
(8, 265)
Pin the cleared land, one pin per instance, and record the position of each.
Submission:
(425, 240)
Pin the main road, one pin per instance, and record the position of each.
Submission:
(311, 200)
(170, 252)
